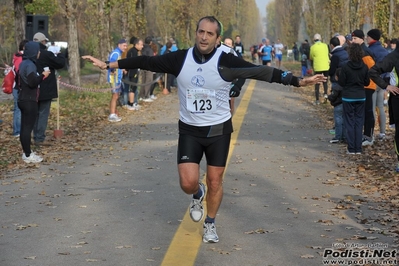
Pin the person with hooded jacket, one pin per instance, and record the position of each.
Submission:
(353, 77)
(390, 64)
(48, 87)
(375, 46)
(29, 82)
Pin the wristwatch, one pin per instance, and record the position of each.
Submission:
(107, 63)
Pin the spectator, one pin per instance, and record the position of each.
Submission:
(368, 59)
(147, 75)
(133, 76)
(319, 55)
(392, 45)
(48, 88)
(124, 97)
(16, 125)
(353, 77)
(304, 65)
(305, 49)
(173, 49)
(154, 48)
(115, 80)
(54, 48)
(390, 64)
(29, 81)
(170, 79)
(379, 52)
(339, 57)
(295, 51)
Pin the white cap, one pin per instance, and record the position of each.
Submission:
(39, 37)
(317, 37)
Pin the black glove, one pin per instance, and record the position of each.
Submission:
(286, 77)
(235, 91)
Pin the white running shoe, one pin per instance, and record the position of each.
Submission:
(210, 235)
(153, 97)
(114, 118)
(33, 158)
(196, 208)
(136, 106)
(130, 108)
(367, 142)
(148, 100)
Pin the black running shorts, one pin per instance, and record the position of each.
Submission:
(191, 149)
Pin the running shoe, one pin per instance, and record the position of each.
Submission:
(196, 208)
(114, 118)
(210, 235)
(32, 158)
(367, 142)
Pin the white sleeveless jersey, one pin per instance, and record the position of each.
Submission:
(227, 50)
(203, 94)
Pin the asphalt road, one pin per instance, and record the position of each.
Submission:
(119, 202)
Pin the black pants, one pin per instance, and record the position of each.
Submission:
(29, 110)
(317, 86)
(369, 120)
(395, 111)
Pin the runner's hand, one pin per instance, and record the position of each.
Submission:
(319, 78)
(234, 91)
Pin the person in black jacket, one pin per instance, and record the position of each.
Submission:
(133, 76)
(29, 80)
(48, 87)
(390, 64)
(148, 76)
(353, 78)
(339, 57)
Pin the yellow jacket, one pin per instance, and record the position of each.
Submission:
(320, 57)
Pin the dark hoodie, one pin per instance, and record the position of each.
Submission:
(29, 79)
(353, 78)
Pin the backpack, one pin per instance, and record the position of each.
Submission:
(11, 74)
(9, 80)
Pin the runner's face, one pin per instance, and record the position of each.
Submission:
(206, 37)
(229, 43)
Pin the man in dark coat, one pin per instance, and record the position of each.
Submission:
(48, 88)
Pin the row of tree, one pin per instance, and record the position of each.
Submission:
(96, 25)
(294, 20)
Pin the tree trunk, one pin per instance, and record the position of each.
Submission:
(73, 50)
(391, 17)
(19, 21)
(103, 35)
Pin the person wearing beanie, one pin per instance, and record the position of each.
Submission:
(114, 78)
(319, 55)
(379, 52)
(368, 59)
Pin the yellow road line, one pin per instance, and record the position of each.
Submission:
(187, 240)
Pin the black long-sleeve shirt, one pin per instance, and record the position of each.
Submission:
(230, 67)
